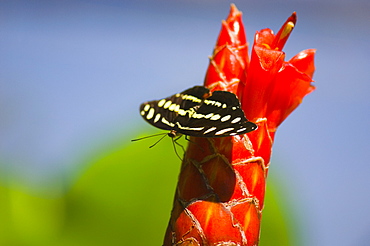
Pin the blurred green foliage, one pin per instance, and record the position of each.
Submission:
(122, 197)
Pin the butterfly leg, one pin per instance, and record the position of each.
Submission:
(174, 141)
(186, 137)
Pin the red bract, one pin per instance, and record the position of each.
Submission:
(274, 87)
(221, 187)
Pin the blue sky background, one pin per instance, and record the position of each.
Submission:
(73, 74)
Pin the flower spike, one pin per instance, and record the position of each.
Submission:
(220, 192)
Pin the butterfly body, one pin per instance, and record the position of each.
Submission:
(198, 112)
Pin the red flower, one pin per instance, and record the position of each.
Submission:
(221, 187)
(274, 87)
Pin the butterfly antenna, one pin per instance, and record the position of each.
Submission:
(137, 139)
(165, 134)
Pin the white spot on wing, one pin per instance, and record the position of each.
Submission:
(213, 103)
(197, 116)
(215, 117)
(226, 118)
(237, 119)
(210, 129)
(220, 132)
(146, 107)
(241, 129)
(161, 102)
(164, 121)
(208, 115)
(182, 112)
(167, 104)
(157, 117)
(191, 98)
(150, 114)
(189, 128)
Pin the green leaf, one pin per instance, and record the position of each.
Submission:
(124, 197)
(278, 222)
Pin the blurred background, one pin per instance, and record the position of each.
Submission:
(73, 74)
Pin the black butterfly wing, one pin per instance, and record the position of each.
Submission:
(219, 115)
(151, 113)
(164, 113)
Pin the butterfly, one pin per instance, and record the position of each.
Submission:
(198, 112)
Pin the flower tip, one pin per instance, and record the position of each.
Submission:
(233, 8)
(234, 11)
(284, 32)
(290, 23)
(293, 17)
